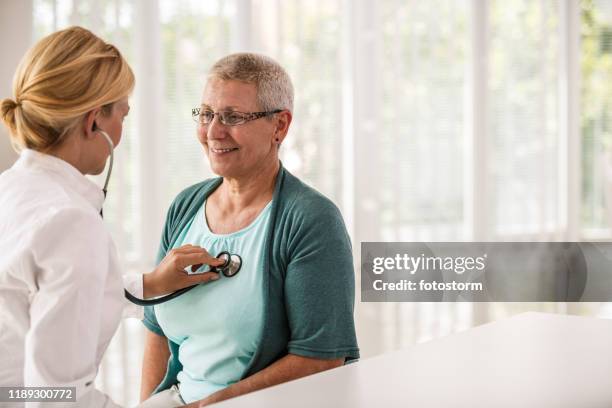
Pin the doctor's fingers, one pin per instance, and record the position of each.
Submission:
(191, 250)
(196, 258)
(186, 249)
(201, 278)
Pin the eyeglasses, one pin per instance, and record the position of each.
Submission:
(228, 118)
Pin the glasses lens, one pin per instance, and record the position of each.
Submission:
(206, 117)
(232, 118)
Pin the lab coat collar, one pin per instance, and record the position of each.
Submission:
(68, 175)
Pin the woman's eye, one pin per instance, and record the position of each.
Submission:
(233, 117)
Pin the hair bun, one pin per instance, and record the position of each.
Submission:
(8, 104)
(7, 113)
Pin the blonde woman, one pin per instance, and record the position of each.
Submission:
(61, 291)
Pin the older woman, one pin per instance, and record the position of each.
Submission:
(289, 311)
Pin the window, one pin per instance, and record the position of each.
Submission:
(595, 116)
(524, 124)
(421, 122)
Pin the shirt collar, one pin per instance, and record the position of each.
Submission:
(69, 176)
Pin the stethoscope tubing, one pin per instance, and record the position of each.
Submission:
(156, 301)
(224, 269)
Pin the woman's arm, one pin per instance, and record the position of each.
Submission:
(154, 363)
(288, 368)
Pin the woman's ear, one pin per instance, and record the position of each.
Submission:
(89, 122)
(282, 126)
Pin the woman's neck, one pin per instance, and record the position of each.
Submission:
(257, 188)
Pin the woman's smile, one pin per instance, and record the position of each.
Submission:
(223, 151)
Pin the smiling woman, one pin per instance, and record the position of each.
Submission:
(286, 232)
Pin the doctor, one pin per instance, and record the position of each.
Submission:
(61, 291)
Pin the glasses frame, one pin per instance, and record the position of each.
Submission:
(247, 116)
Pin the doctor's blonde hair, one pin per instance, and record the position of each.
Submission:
(60, 79)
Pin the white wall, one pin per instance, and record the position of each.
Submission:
(16, 37)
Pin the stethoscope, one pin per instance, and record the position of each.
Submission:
(230, 267)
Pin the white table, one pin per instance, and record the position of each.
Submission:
(530, 360)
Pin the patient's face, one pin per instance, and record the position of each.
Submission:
(236, 151)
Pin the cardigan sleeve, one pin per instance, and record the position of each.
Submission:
(320, 284)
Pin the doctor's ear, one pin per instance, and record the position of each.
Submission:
(90, 122)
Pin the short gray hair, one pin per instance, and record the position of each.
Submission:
(274, 88)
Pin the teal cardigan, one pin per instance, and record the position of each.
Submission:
(309, 286)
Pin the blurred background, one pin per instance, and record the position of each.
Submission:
(446, 120)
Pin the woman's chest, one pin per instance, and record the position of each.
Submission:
(230, 305)
(221, 221)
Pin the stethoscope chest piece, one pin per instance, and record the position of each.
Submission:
(231, 266)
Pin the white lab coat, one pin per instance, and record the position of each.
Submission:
(61, 290)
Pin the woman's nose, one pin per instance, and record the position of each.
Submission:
(215, 129)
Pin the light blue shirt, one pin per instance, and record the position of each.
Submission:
(218, 325)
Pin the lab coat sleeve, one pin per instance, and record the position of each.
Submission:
(133, 283)
(71, 258)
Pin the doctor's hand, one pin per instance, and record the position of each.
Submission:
(170, 275)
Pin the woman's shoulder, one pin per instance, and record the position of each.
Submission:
(38, 198)
(301, 200)
(196, 191)
(186, 203)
